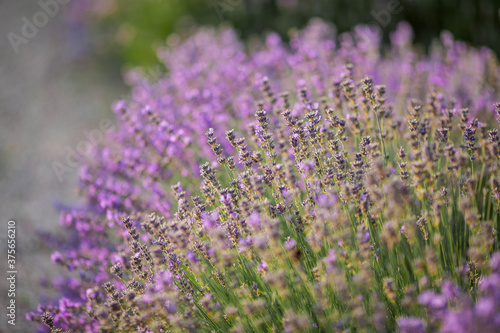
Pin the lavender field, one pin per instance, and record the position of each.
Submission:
(325, 181)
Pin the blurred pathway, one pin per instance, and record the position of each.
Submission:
(46, 102)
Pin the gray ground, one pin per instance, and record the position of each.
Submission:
(47, 100)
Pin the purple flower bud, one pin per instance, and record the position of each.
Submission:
(410, 325)
(163, 279)
(485, 306)
(57, 258)
(170, 306)
(191, 256)
(254, 219)
(209, 220)
(366, 237)
(119, 106)
(495, 262)
(262, 267)
(330, 259)
(450, 290)
(432, 301)
(290, 244)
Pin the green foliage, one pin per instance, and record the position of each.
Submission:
(136, 27)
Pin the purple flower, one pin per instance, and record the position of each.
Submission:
(170, 306)
(366, 237)
(254, 219)
(191, 256)
(262, 267)
(293, 184)
(290, 244)
(432, 300)
(485, 307)
(410, 325)
(495, 262)
(209, 220)
(57, 257)
(450, 290)
(330, 259)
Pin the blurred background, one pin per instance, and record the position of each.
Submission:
(58, 80)
(127, 32)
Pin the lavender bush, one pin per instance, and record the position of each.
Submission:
(222, 203)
